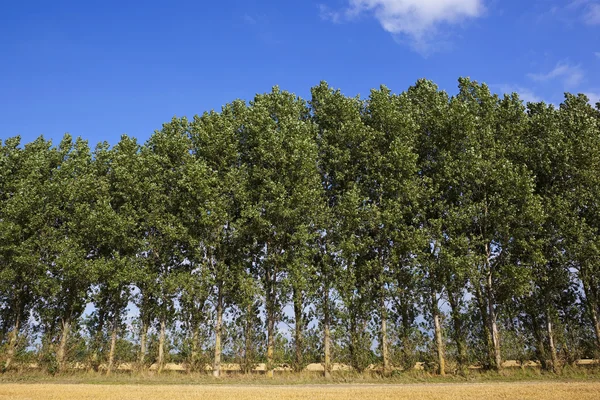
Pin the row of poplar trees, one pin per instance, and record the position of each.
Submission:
(382, 231)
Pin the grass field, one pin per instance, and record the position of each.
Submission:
(494, 390)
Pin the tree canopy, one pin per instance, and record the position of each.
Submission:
(382, 231)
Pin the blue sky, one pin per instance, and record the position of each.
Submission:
(98, 69)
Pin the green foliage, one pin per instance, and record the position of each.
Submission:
(272, 224)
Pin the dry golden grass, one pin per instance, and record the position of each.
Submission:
(500, 390)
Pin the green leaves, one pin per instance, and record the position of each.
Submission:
(363, 215)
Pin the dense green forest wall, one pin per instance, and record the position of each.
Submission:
(453, 230)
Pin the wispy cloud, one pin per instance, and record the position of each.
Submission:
(593, 96)
(588, 10)
(250, 20)
(525, 94)
(592, 14)
(328, 14)
(597, 54)
(418, 20)
(570, 75)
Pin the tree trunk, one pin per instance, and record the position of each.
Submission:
(326, 337)
(596, 322)
(218, 331)
(270, 321)
(461, 348)
(248, 340)
(143, 343)
(161, 344)
(299, 323)
(384, 340)
(12, 341)
(437, 323)
(113, 344)
(270, 344)
(486, 324)
(591, 297)
(195, 340)
(539, 338)
(493, 323)
(495, 335)
(62, 347)
(553, 355)
(95, 359)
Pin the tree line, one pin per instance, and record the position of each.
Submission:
(420, 226)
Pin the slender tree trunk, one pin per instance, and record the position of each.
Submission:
(553, 355)
(384, 340)
(495, 335)
(495, 338)
(218, 331)
(270, 341)
(161, 344)
(326, 315)
(596, 323)
(481, 304)
(271, 320)
(353, 341)
(62, 347)
(590, 296)
(248, 340)
(437, 323)
(113, 344)
(95, 363)
(12, 341)
(326, 336)
(539, 338)
(195, 340)
(408, 348)
(458, 333)
(299, 323)
(143, 344)
(493, 323)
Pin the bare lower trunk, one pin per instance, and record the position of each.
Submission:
(12, 341)
(539, 338)
(497, 357)
(270, 321)
(218, 330)
(62, 347)
(161, 344)
(596, 322)
(143, 343)
(553, 355)
(113, 345)
(326, 338)
(384, 341)
(247, 340)
(95, 358)
(194, 359)
(270, 344)
(458, 333)
(438, 337)
(299, 323)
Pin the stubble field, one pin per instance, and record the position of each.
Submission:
(494, 390)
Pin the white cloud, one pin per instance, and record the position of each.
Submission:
(588, 10)
(571, 75)
(249, 19)
(328, 14)
(593, 96)
(592, 14)
(417, 19)
(527, 95)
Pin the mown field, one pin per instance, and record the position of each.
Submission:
(493, 390)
